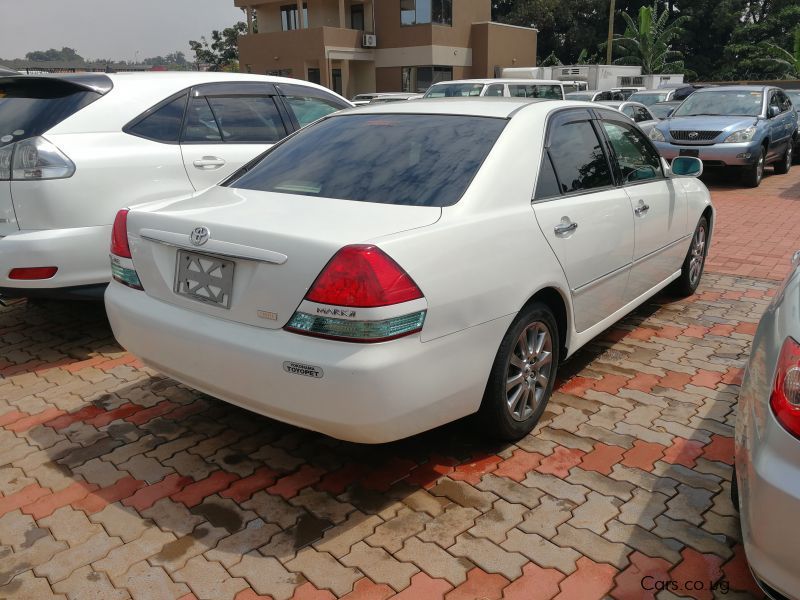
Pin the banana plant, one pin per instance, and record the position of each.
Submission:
(647, 42)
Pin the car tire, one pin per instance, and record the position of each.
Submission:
(735, 490)
(782, 167)
(753, 174)
(694, 263)
(522, 376)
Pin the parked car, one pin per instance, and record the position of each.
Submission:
(76, 148)
(595, 95)
(574, 86)
(664, 110)
(637, 112)
(650, 97)
(353, 319)
(768, 444)
(377, 97)
(794, 96)
(628, 91)
(509, 88)
(748, 127)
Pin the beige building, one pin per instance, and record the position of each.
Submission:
(359, 46)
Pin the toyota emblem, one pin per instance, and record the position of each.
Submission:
(199, 235)
(694, 135)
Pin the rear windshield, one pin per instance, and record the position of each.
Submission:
(410, 159)
(648, 99)
(30, 107)
(454, 90)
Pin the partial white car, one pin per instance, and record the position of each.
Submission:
(500, 88)
(395, 267)
(74, 149)
(637, 112)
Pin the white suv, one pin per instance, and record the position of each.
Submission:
(76, 148)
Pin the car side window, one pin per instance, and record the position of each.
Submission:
(245, 119)
(784, 101)
(201, 126)
(635, 157)
(578, 157)
(640, 114)
(494, 90)
(163, 124)
(307, 104)
(628, 111)
(773, 101)
(547, 183)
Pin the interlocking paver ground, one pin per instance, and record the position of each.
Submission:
(118, 482)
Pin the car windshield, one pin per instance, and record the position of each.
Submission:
(454, 90)
(742, 103)
(662, 111)
(30, 107)
(411, 159)
(649, 98)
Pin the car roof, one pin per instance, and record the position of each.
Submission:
(502, 108)
(661, 91)
(499, 80)
(735, 88)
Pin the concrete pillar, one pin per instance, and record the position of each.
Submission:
(249, 20)
(342, 15)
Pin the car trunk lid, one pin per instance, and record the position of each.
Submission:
(274, 244)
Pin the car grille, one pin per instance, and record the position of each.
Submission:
(694, 136)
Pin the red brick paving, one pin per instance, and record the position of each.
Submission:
(446, 514)
(757, 228)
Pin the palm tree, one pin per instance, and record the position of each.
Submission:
(648, 42)
(782, 60)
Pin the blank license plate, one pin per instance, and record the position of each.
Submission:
(695, 153)
(204, 278)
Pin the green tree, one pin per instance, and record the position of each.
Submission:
(648, 41)
(788, 62)
(222, 53)
(64, 55)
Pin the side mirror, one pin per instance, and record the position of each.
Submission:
(686, 166)
(773, 111)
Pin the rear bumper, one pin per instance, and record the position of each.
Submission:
(81, 255)
(368, 393)
(741, 155)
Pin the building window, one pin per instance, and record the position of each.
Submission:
(289, 17)
(357, 17)
(415, 12)
(419, 79)
(280, 73)
(314, 76)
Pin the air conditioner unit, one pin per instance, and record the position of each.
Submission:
(370, 40)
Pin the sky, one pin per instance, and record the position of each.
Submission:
(115, 29)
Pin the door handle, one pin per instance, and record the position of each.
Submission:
(641, 209)
(565, 227)
(209, 163)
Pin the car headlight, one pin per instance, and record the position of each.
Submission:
(743, 135)
(656, 135)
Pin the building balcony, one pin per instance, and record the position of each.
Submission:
(301, 43)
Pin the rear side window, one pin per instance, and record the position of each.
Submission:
(418, 160)
(247, 118)
(547, 185)
(30, 107)
(201, 126)
(578, 157)
(163, 124)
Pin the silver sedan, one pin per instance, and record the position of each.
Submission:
(768, 445)
(635, 110)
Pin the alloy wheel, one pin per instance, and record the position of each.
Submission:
(698, 255)
(760, 167)
(528, 371)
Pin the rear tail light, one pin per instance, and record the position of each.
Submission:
(122, 269)
(785, 398)
(32, 273)
(361, 295)
(5, 162)
(35, 159)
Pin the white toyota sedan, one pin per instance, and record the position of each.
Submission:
(74, 149)
(392, 268)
